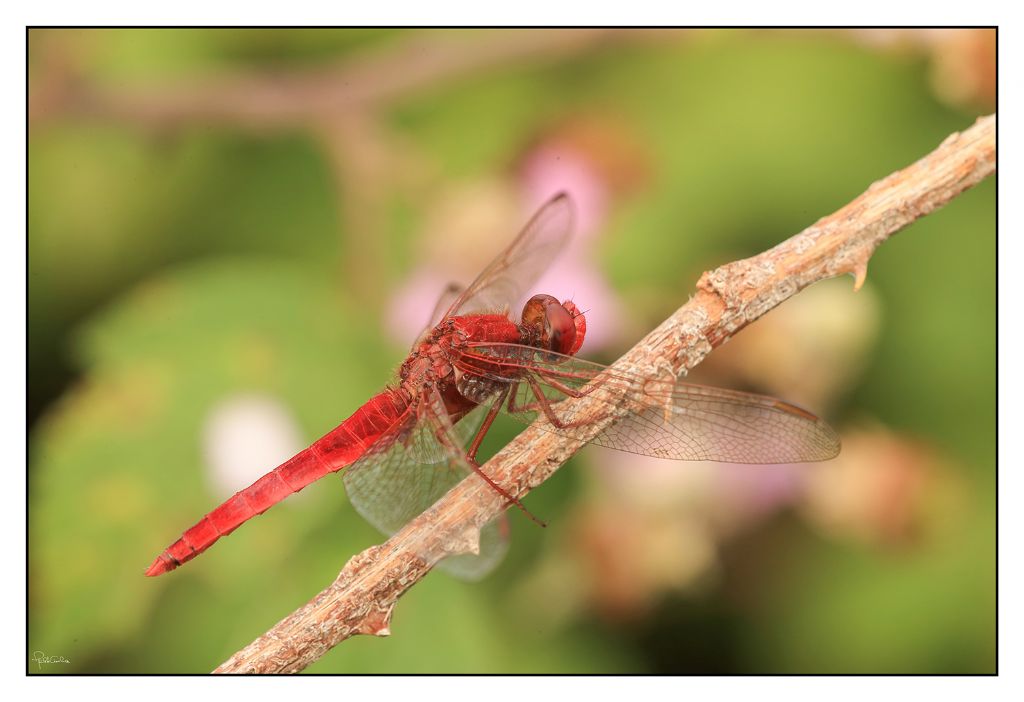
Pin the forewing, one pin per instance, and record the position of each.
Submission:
(451, 293)
(408, 471)
(505, 282)
(656, 418)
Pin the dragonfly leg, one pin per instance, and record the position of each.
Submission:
(486, 424)
(444, 437)
(510, 499)
(543, 405)
(571, 392)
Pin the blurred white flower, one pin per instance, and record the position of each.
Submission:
(808, 350)
(245, 436)
(652, 483)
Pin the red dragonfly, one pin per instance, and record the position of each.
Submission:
(411, 443)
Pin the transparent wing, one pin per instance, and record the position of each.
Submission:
(409, 470)
(503, 285)
(451, 293)
(658, 418)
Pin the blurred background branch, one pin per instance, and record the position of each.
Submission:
(285, 99)
(362, 598)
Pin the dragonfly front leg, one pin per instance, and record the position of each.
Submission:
(543, 405)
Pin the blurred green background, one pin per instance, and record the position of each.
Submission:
(223, 220)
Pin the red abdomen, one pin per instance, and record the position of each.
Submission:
(339, 448)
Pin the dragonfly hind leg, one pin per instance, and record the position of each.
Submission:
(469, 454)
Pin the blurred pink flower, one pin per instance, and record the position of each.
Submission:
(632, 558)
(963, 60)
(747, 494)
(553, 168)
(492, 212)
(410, 307)
(879, 488)
(463, 230)
(731, 495)
(653, 483)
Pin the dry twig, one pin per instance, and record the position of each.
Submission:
(362, 598)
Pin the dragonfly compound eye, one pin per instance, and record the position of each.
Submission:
(560, 326)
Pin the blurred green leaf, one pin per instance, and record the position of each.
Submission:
(116, 469)
(849, 611)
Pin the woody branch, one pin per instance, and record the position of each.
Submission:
(361, 599)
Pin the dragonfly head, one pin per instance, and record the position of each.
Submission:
(555, 326)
